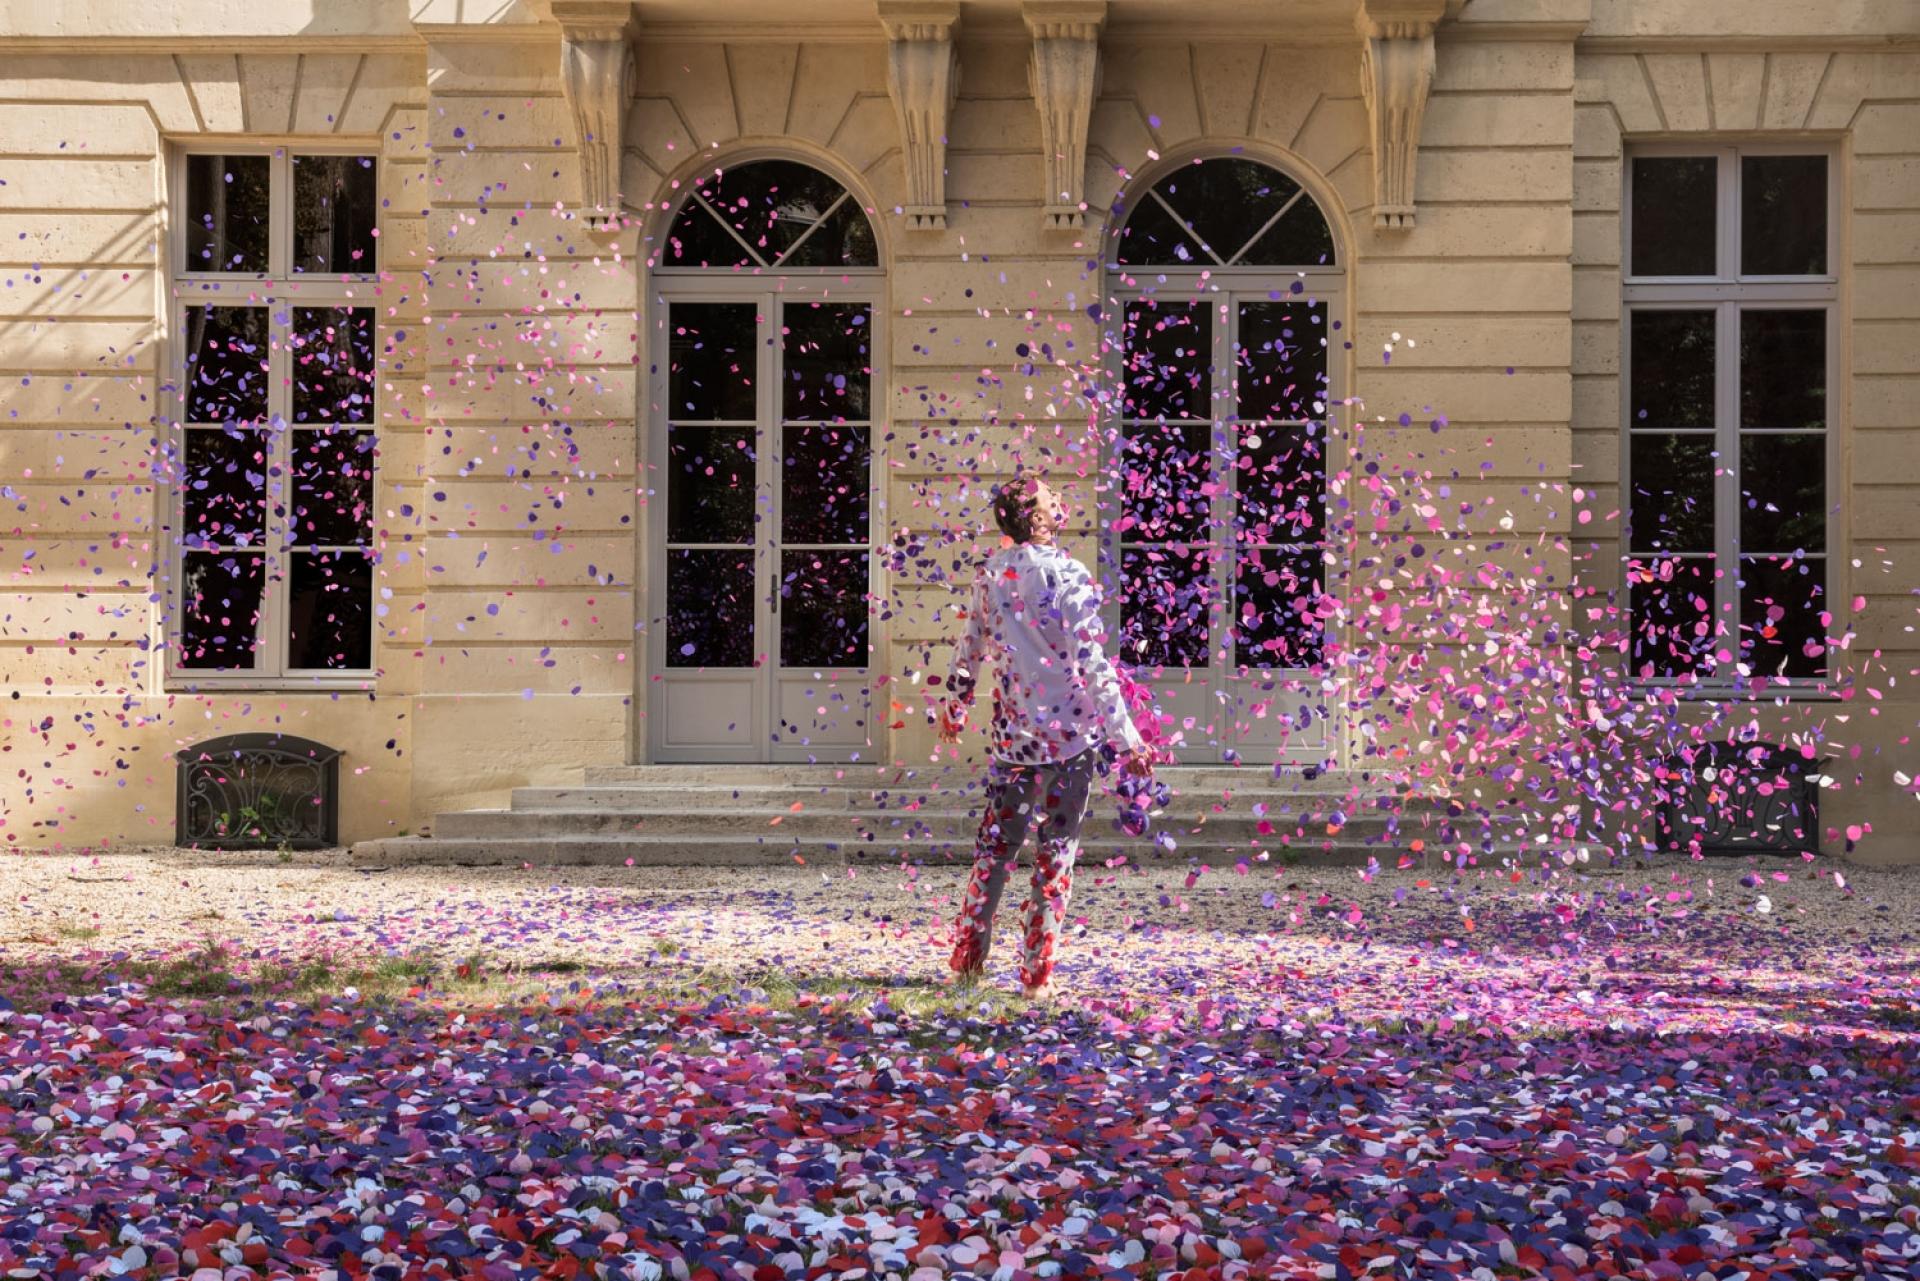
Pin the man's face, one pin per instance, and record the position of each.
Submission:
(1049, 513)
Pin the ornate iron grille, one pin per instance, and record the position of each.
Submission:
(258, 791)
(1740, 798)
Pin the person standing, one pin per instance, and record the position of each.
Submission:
(1058, 707)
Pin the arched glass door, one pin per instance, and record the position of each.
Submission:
(1215, 541)
(764, 399)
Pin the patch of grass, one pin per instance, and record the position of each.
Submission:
(666, 947)
(77, 932)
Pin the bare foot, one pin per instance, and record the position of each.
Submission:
(1038, 991)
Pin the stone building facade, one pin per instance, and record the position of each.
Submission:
(481, 200)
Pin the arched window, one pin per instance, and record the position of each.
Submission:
(770, 213)
(765, 321)
(1225, 284)
(1225, 212)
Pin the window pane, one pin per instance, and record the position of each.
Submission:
(1672, 380)
(1169, 348)
(332, 489)
(1152, 236)
(226, 364)
(1228, 200)
(1671, 602)
(1165, 468)
(227, 213)
(823, 609)
(825, 480)
(1781, 600)
(220, 595)
(1163, 607)
(332, 349)
(1783, 215)
(1674, 215)
(712, 358)
(1281, 476)
(1783, 493)
(710, 485)
(1672, 499)
(1301, 238)
(845, 239)
(1282, 360)
(224, 488)
(1783, 369)
(1274, 601)
(826, 353)
(334, 207)
(710, 608)
(330, 611)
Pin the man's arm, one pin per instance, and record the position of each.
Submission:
(1080, 614)
(969, 657)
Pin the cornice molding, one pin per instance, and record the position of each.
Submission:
(1396, 74)
(1063, 74)
(599, 76)
(923, 79)
(1835, 42)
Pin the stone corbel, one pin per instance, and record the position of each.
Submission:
(923, 77)
(597, 72)
(1064, 77)
(1396, 71)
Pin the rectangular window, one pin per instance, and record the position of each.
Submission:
(1730, 307)
(271, 460)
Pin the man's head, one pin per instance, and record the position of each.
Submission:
(1027, 510)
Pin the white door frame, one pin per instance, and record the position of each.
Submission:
(1224, 289)
(840, 285)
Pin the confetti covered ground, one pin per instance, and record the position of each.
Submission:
(225, 1066)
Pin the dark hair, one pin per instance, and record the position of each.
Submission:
(1014, 504)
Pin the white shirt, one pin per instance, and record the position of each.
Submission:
(1036, 613)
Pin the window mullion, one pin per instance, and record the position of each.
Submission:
(1726, 498)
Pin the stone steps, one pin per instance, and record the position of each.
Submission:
(705, 816)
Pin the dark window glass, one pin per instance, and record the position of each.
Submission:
(334, 208)
(224, 488)
(1282, 360)
(332, 356)
(1234, 206)
(1275, 597)
(1783, 492)
(332, 489)
(220, 595)
(710, 484)
(1163, 611)
(1672, 500)
(1169, 349)
(828, 364)
(824, 484)
(1164, 469)
(227, 213)
(1783, 215)
(823, 609)
(226, 364)
(771, 205)
(1783, 369)
(1781, 600)
(713, 354)
(710, 607)
(330, 611)
(1675, 217)
(1671, 602)
(1280, 472)
(1153, 237)
(1672, 380)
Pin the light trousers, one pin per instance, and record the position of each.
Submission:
(1051, 801)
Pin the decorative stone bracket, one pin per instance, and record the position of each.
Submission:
(598, 73)
(923, 77)
(1396, 71)
(1064, 77)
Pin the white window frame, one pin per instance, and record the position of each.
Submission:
(1727, 293)
(279, 284)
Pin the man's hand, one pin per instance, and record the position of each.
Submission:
(1139, 763)
(953, 720)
